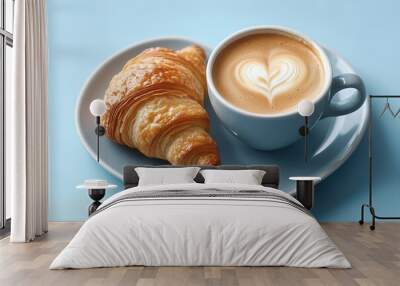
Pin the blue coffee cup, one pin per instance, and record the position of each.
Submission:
(275, 131)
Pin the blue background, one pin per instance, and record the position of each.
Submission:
(82, 34)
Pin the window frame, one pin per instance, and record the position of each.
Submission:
(6, 39)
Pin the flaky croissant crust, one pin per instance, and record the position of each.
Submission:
(155, 104)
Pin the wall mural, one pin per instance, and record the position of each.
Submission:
(174, 100)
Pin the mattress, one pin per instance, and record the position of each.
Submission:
(201, 225)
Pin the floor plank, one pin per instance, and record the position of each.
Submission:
(375, 257)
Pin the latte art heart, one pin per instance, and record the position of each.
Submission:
(280, 74)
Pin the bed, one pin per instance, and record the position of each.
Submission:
(201, 224)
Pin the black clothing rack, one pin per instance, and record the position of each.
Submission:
(370, 205)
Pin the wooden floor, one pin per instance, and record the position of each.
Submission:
(375, 257)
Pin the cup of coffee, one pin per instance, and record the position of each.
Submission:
(257, 77)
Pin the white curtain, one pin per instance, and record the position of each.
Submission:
(26, 123)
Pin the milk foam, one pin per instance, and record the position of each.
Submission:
(268, 73)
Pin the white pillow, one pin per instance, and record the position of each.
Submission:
(164, 176)
(248, 177)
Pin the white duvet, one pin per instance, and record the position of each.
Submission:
(200, 231)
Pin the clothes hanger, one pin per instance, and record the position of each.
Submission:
(388, 107)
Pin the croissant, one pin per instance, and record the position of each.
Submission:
(155, 104)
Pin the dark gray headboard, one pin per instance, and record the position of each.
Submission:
(271, 177)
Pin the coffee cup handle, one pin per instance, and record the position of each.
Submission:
(350, 103)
